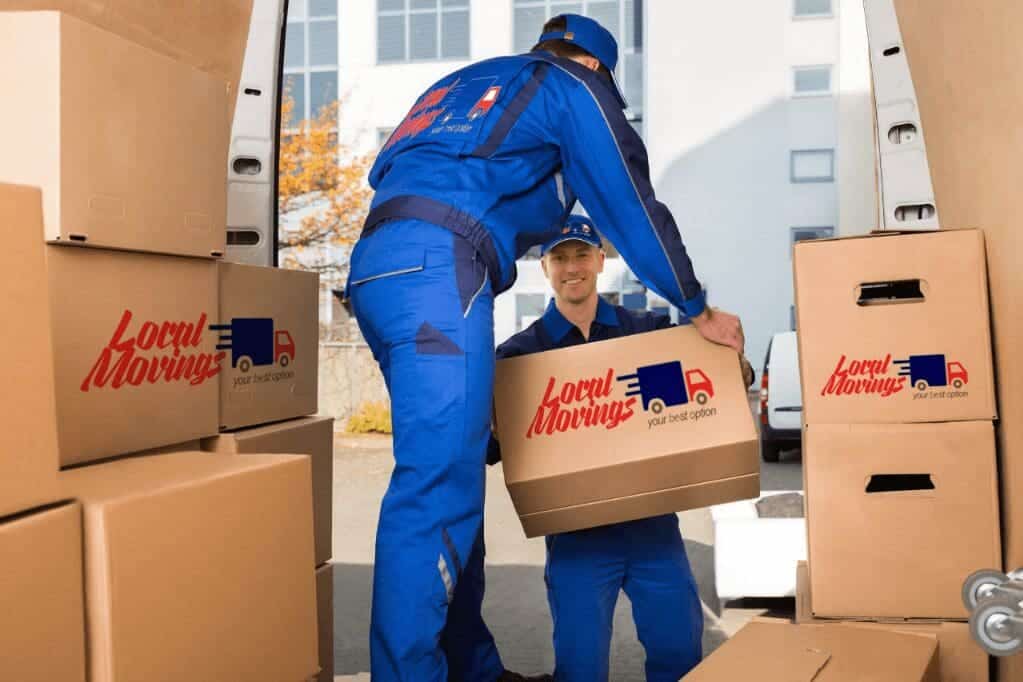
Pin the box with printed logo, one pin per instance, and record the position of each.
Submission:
(135, 361)
(894, 328)
(269, 329)
(624, 429)
(898, 515)
(129, 146)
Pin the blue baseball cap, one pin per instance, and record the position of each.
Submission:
(595, 39)
(578, 228)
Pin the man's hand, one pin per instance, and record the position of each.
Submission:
(721, 327)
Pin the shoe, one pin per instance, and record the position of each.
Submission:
(509, 676)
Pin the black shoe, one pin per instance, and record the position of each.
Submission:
(509, 676)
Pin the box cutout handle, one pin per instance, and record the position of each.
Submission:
(242, 237)
(246, 165)
(253, 91)
(888, 293)
(902, 133)
(899, 483)
(914, 212)
(892, 51)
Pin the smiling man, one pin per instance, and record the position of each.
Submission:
(587, 569)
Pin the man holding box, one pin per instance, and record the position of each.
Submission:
(488, 162)
(586, 569)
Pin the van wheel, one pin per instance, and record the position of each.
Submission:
(921, 385)
(958, 383)
(285, 360)
(769, 451)
(245, 364)
(657, 406)
(701, 398)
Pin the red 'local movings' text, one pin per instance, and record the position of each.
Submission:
(119, 362)
(863, 376)
(553, 414)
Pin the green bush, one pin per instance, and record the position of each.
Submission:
(370, 418)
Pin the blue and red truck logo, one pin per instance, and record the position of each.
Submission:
(667, 385)
(929, 371)
(254, 342)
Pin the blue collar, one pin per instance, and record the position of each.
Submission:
(557, 326)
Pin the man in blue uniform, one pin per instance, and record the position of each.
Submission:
(646, 558)
(488, 162)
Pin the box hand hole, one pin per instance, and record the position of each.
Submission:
(902, 133)
(242, 237)
(899, 483)
(892, 51)
(914, 212)
(246, 165)
(886, 293)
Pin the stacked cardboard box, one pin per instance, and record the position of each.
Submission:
(898, 392)
(624, 429)
(135, 553)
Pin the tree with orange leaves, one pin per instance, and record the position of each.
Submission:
(323, 195)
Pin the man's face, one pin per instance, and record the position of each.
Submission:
(572, 268)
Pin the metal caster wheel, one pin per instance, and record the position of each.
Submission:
(997, 628)
(979, 584)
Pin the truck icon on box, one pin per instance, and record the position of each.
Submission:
(666, 385)
(254, 342)
(927, 371)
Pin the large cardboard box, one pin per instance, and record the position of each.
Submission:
(898, 515)
(624, 429)
(894, 328)
(28, 439)
(210, 35)
(42, 623)
(269, 324)
(129, 146)
(198, 568)
(135, 363)
(960, 658)
(313, 436)
(325, 612)
(785, 652)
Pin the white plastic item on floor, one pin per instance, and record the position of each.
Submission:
(753, 556)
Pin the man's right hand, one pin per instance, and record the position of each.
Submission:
(721, 327)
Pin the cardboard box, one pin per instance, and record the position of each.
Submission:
(42, 624)
(965, 68)
(270, 326)
(960, 659)
(784, 652)
(197, 568)
(210, 35)
(624, 429)
(894, 328)
(313, 436)
(907, 197)
(136, 366)
(325, 611)
(898, 515)
(28, 442)
(129, 146)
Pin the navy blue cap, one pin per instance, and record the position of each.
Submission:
(592, 37)
(578, 228)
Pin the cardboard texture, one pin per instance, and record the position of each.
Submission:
(269, 324)
(624, 429)
(313, 436)
(898, 515)
(28, 441)
(906, 196)
(960, 659)
(135, 363)
(193, 563)
(209, 35)
(976, 178)
(784, 652)
(325, 614)
(894, 328)
(129, 146)
(42, 624)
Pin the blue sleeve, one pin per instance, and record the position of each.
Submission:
(605, 162)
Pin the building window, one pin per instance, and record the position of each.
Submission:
(528, 307)
(812, 165)
(808, 81)
(802, 234)
(311, 57)
(623, 18)
(813, 9)
(422, 30)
